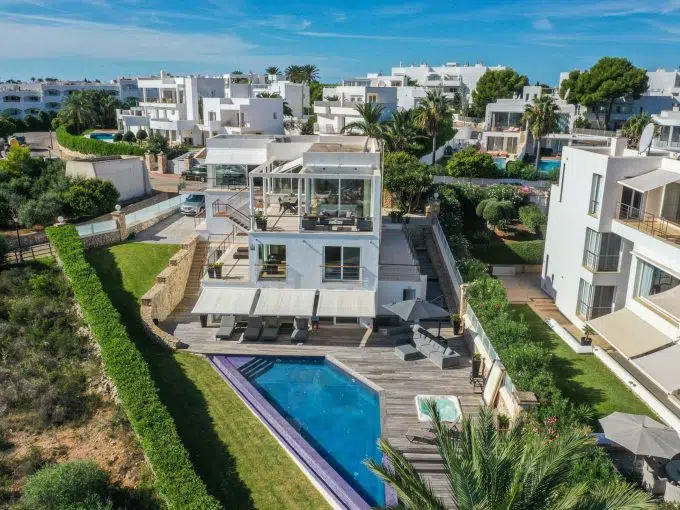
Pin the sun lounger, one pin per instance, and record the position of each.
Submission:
(252, 332)
(424, 433)
(227, 325)
(301, 331)
(271, 330)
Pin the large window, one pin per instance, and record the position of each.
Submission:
(652, 280)
(272, 261)
(601, 251)
(631, 204)
(341, 263)
(594, 301)
(595, 194)
(230, 175)
(346, 198)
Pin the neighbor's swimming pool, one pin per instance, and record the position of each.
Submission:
(104, 137)
(548, 165)
(500, 162)
(338, 415)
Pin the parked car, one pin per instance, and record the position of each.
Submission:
(196, 173)
(193, 205)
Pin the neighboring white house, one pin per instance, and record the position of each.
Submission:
(338, 108)
(30, 98)
(128, 175)
(612, 253)
(667, 135)
(296, 95)
(503, 127)
(304, 236)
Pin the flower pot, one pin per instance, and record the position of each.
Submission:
(456, 327)
(586, 341)
(218, 271)
(211, 272)
(476, 366)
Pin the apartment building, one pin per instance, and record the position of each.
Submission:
(505, 132)
(295, 229)
(296, 95)
(20, 99)
(339, 107)
(612, 255)
(667, 135)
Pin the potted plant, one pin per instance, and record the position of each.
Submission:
(260, 220)
(393, 216)
(476, 365)
(455, 319)
(503, 422)
(587, 333)
(218, 269)
(211, 270)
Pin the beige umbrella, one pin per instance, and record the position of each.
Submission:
(641, 435)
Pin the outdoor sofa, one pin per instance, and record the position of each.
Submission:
(427, 345)
(227, 325)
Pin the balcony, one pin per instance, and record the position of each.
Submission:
(272, 271)
(11, 99)
(648, 223)
(156, 101)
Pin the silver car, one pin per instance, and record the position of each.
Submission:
(194, 205)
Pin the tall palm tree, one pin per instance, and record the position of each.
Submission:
(370, 124)
(434, 110)
(310, 73)
(294, 73)
(542, 118)
(400, 132)
(272, 70)
(77, 110)
(516, 469)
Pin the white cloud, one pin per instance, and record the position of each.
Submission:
(373, 37)
(284, 22)
(543, 24)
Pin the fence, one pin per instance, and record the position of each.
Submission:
(154, 210)
(99, 227)
(29, 253)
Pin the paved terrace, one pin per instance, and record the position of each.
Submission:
(372, 356)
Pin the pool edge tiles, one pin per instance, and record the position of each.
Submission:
(335, 489)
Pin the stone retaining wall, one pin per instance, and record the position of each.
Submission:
(102, 239)
(26, 240)
(143, 225)
(167, 293)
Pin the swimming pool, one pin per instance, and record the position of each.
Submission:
(104, 137)
(548, 165)
(338, 415)
(500, 162)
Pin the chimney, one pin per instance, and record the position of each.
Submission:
(617, 146)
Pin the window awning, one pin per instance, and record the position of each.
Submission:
(651, 180)
(629, 334)
(668, 302)
(346, 303)
(236, 156)
(662, 367)
(285, 302)
(225, 301)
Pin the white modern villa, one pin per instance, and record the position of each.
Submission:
(296, 95)
(612, 255)
(338, 108)
(30, 98)
(295, 229)
(667, 136)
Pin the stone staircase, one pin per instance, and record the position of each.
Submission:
(193, 288)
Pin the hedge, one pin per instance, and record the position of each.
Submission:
(97, 147)
(176, 478)
(517, 252)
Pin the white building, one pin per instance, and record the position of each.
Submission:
(505, 132)
(30, 98)
(304, 236)
(612, 254)
(296, 95)
(128, 175)
(338, 109)
(667, 136)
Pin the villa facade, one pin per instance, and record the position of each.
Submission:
(617, 212)
(338, 109)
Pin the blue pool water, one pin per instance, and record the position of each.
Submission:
(104, 137)
(338, 415)
(500, 162)
(548, 165)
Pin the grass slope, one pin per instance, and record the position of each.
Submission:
(240, 462)
(583, 378)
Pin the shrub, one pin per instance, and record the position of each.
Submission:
(532, 217)
(157, 144)
(87, 198)
(518, 169)
(118, 137)
(496, 213)
(141, 135)
(176, 478)
(472, 269)
(96, 147)
(79, 483)
(129, 137)
(470, 162)
(41, 211)
(519, 252)
(501, 192)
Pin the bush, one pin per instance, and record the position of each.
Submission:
(472, 269)
(75, 484)
(41, 211)
(532, 217)
(141, 135)
(118, 137)
(513, 252)
(496, 213)
(517, 169)
(87, 198)
(96, 147)
(129, 137)
(176, 478)
(470, 162)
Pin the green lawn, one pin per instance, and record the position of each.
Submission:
(510, 252)
(583, 378)
(240, 462)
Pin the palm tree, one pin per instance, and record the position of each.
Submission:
(541, 117)
(434, 110)
(77, 110)
(369, 125)
(515, 469)
(269, 95)
(272, 70)
(294, 74)
(400, 132)
(310, 73)
(633, 127)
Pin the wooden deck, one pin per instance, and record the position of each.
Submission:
(372, 356)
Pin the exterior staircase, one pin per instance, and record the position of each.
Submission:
(193, 288)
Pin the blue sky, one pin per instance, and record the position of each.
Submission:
(107, 38)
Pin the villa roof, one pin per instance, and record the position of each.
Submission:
(233, 156)
(335, 147)
(651, 180)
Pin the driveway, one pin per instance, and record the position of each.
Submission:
(173, 230)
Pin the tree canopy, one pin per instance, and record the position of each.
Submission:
(493, 85)
(408, 178)
(7, 128)
(542, 118)
(434, 111)
(472, 163)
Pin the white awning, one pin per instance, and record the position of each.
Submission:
(629, 334)
(225, 301)
(662, 367)
(668, 302)
(285, 302)
(236, 156)
(651, 180)
(346, 303)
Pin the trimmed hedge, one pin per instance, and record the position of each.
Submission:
(517, 252)
(176, 478)
(97, 147)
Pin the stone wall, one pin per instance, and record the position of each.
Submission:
(102, 239)
(167, 293)
(143, 225)
(26, 240)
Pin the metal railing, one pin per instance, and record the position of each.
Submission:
(594, 132)
(273, 271)
(666, 143)
(449, 260)
(98, 227)
(341, 273)
(646, 222)
(223, 209)
(202, 182)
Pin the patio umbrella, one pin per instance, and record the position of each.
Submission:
(641, 435)
(417, 309)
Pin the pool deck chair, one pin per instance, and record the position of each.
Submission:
(271, 330)
(424, 433)
(252, 332)
(227, 325)
(493, 383)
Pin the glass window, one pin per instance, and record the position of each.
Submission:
(652, 280)
(594, 301)
(346, 198)
(230, 175)
(272, 259)
(342, 263)
(601, 251)
(595, 194)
